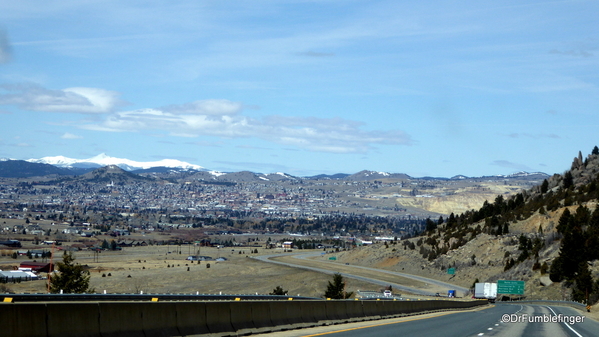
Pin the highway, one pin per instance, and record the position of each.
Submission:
(490, 321)
(334, 267)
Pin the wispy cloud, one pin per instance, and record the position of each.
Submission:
(573, 52)
(223, 118)
(511, 165)
(71, 100)
(5, 50)
(315, 54)
(70, 136)
(534, 136)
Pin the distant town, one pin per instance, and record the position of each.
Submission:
(187, 208)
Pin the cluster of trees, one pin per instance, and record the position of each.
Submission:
(580, 244)
(579, 232)
(109, 246)
(349, 222)
(335, 289)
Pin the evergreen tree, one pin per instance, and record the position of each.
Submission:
(544, 186)
(430, 225)
(336, 289)
(279, 291)
(584, 283)
(568, 180)
(572, 252)
(72, 278)
(563, 223)
(595, 150)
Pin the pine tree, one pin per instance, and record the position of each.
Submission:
(584, 283)
(563, 223)
(279, 291)
(568, 180)
(72, 278)
(571, 254)
(544, 186)
(336, 289)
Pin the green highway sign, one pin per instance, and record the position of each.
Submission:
(333, 258)
(451, 271)
(510, 287)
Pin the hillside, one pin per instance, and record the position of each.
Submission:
(547, 235)
(22, 169)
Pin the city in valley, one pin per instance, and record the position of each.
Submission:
(125, 226)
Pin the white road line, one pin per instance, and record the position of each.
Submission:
(566, 323)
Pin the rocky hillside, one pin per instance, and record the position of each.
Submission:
(547, 235)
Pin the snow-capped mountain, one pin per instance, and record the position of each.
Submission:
(104, 160)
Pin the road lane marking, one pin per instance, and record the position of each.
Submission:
(389, 323)
(566, 324)
(381, 324)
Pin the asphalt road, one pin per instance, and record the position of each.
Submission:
(490, 321)
(396, 286)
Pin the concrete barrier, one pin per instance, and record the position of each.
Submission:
(73, 319)
(319, 309)
(336, 311)
(308, 310)
(191, 318)
(160, 319)
(218, 317)
(279, 316)
(371, 310)
(116, 319)
(121, 319)
(355, 311)
(23, 319)
(241, 317)
(261, 317)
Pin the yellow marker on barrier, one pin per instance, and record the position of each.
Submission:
(290, 298)
(237, 299)
(378, 299)
(7, 300)
(154, 299)
(357, 299)
(328, 299)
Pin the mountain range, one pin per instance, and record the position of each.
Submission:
(60, 165)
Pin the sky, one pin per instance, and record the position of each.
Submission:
(305, 87)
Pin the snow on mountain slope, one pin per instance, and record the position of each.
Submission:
(104, 160)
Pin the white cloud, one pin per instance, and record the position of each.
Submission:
(5, 52)
(205, 107)
(70, 136)
(223, 118)
(511, 165)
(71, 100)
(534, 136)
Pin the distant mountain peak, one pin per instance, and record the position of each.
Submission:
(103, 160)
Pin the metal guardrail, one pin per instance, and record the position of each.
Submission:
(145, 297)
(548, 302)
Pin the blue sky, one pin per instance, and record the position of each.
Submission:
(431, 88)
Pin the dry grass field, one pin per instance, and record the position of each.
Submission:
(152, 269)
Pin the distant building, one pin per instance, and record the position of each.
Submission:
(287, 245)
(38, 267)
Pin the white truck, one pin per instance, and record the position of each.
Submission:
(485, 290)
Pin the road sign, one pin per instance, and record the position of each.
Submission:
(333, 258)
(451, 271)
(510, 287)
